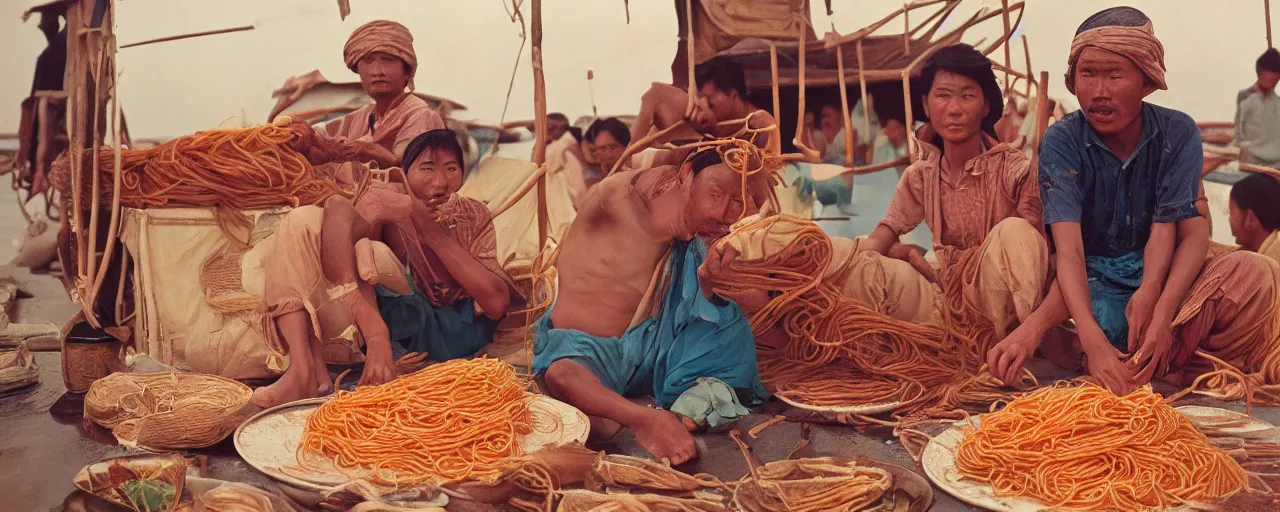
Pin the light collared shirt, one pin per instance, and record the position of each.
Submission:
(1259, 128)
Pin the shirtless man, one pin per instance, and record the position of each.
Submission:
(590, 348)
(722, 91)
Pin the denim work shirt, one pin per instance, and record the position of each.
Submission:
(1117, 201)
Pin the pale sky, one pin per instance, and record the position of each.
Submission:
(466, 50)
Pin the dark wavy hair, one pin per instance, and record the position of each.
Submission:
(1258, 193)
(964, 60)
(442, 138)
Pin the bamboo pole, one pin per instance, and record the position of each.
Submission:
(1042, 111)
(693, 85)
(807, 151)
(540, 120)
(906, 33)
(539, 158)
(189, 36)
(866, 99)
(96, 177)
(848, 121)
(116, 124)
(1266, 8)
(1008, 60)
(74, 78)
(869, 29)
(773, 70)
(591, 88)
(1026, 49)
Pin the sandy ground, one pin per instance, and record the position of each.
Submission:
(41, 453)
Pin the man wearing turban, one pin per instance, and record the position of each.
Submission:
(1120, 181)
(381, 52)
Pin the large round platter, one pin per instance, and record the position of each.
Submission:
(939, 460)
(269, 440)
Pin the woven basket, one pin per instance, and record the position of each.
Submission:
(84, 363)
(17, 368)
(167, 411)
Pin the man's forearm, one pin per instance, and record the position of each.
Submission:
(879, 241)
(480, 283)
(1157, 256)
(1073, 279)
(1188, 258)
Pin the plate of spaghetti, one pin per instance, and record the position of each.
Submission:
(449, 422)
(1080, 447)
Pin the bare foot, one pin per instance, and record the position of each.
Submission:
(665, 436)
(291, 387)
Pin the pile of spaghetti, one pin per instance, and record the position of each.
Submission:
(448, 422)
(243, 169)
(1080, 447)
(839, 352)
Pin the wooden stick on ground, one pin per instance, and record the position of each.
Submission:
(748, 453)
(762, 426)
(805, 432)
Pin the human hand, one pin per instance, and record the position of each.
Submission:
(379, 367)
(701, 116)
(1104, 362)
(719, 256)
(1006, 359)
(1154, 353)
(914, 255)
(1138, 313)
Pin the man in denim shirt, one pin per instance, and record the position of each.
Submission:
(1119, 181)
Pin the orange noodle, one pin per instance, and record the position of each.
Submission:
(839, 352)
(245, 169)
(451, 421)
(1080, 447)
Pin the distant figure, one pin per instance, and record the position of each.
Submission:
(1258, 114)
(562, 155)
(610, 138)
(1255, 214)
(50, 66)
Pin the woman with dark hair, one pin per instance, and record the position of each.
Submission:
(975, 194)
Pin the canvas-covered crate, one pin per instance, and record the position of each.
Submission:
(174, 323)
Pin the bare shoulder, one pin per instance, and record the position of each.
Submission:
(762, 119)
